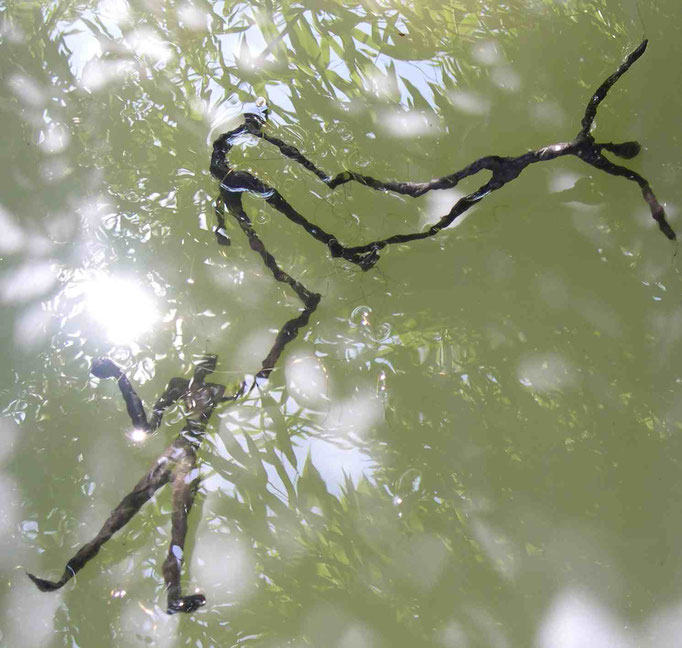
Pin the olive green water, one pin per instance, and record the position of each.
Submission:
(477, 443)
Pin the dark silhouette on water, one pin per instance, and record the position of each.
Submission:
(503, 169)
(177, 464)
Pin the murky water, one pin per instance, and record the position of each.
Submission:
(476, 443)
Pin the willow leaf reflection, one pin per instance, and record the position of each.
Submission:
(464, 445)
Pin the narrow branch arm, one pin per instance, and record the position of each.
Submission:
(503, 169)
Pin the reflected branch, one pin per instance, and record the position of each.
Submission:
(177, 463)
(233, 203)
(503, 170)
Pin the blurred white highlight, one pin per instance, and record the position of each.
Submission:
(548, 114)
(420, 561)
(408, 124)
(30, 327)
(9, 432)
(23, 595)
(28, 90)
(469, 103)
(225, 568)
(27, 282)
(9, 513)
(113, 11)
(577, 620)
(54, 138)
(12, 238)
(504, 556)
(355, 415)
(545, 372)
(97, 73)
(192, 17)
(563, 181)
(486, 53)
(140, 625)
(54, 169)
(438, 204)
(452, 636)
(307, 381)
(506, 78)
(357, 636)
(145, 42)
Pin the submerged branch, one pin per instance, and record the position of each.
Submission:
(177, 464)
(503, 169)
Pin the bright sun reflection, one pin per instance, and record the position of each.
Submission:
(121, 306)
(137, 435)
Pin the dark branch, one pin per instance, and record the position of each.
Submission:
(503, 169)
(178, 461)
(603, 89)
(233, 203)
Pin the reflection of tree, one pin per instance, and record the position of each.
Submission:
(143, 132)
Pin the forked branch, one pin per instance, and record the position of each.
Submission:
(503, 169)
(177, 464)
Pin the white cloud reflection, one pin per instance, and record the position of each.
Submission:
(193, 17)
(147, 43)
(113, 11)
(469, 102)
(307, 381)
(407, 124)
(578, 620)
(545, 372)
(12, 239)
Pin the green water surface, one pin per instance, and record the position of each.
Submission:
(475, 444)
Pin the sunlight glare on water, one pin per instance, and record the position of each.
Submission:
(121, 307)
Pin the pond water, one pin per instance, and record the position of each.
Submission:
(475, 443)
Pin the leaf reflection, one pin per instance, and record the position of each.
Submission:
(445, 513)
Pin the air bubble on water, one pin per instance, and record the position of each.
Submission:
(360, 316)
(382, 391)
(381, 333)
(409, 482)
